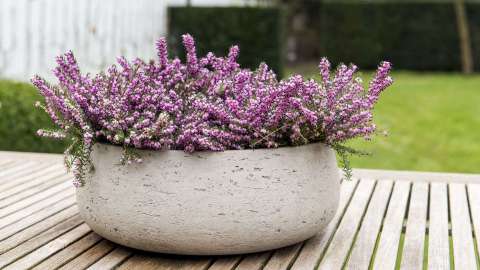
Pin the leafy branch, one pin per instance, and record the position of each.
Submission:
(344, 152)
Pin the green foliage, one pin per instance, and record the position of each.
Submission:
(344, 152)
(412, 35)
(20, 120)
(258, 32)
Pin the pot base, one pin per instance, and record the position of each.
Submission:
(206, 203)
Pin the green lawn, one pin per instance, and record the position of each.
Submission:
(433, 122)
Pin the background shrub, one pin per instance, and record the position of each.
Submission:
(19, 120)
(412, 35)
(258, 32)
(473, 13)
(428, 42)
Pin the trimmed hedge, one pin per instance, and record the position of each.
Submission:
(473, 13)
(426, 42)
(19, 120)
(258, 32)
(419, 36)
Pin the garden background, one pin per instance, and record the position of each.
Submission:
(431, 112)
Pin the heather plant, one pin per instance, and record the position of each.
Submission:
(205, 104)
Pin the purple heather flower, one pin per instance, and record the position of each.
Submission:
(162, 51)
(192, 60)
(207, 103)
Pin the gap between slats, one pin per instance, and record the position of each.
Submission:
(366, 239)
(339, 248)
(396, 196)
(473, 199)
(314, 249)
(462, 231)
(465, 223)
(112, 259)
(412, 254)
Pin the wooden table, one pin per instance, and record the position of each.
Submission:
(386, 219)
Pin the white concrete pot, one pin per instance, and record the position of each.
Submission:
(211, 203)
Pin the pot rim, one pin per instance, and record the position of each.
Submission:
(225, 151)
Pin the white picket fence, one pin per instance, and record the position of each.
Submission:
(33, 32)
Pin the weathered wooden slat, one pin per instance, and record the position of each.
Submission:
(14, 195)
(413, 176)
(36, 198)
(283, 258)
(15, 184)
(22, 167)
(90, 256)
(36, 229)
(413, 250)
(225, 263)
(36, 217)
(52, 247)
(36, 242)
(386, 254)
(7, 176)
(112, 259)
(314, 247)
(31, 156)
(39, 240)
(146, 262)
(20, 178)
(160, 262)
(69, 253)
(438, 242)
(342, 240)
(30, 210)
(5, 164)
(16, 167)
(463, 249)
(474, 202)
(254, 261)
(364, 245)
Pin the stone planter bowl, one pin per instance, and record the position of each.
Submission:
(211, 203)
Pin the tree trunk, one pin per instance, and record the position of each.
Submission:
(464, 37)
